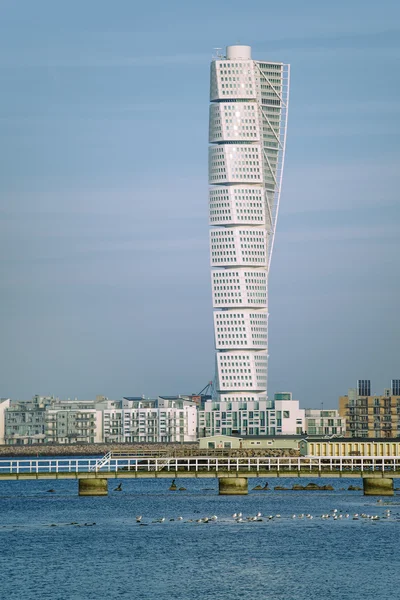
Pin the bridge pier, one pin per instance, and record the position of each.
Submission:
(378, 486)
(93, 487)
(229, 486)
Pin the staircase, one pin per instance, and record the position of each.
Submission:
(160, 465)
(101, 462)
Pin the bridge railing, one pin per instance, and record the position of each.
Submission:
(356, 464)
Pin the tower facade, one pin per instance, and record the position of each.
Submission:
(247, 135)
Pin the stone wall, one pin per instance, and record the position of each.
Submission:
(187, 449)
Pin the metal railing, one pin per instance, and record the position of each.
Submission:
(101, 462)
(282, 465)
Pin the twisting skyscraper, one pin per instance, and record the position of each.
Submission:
(248, 116)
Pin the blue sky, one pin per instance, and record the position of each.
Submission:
(104, 275)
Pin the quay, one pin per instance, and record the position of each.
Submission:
(232, 472)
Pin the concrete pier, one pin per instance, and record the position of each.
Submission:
(93, 487)
(230, 486)
(378, 486)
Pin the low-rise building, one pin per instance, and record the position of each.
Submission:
(255, 442)
(349, 447)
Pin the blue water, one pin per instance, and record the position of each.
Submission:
(43, 555)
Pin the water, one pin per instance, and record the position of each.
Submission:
(282, 559)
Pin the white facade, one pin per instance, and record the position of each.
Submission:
(324, 422)
(251, 416)
(167, 420)
(4, 404)
(247, 133)
(73, 422)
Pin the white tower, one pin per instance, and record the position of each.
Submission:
(248, 117)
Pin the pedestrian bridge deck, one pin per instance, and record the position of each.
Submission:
(191, 467)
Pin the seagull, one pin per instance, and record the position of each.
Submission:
(138, 519)
(214, 518)
(234, 516)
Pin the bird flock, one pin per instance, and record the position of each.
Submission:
(238, 517)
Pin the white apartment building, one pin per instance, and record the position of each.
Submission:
(4, 403)
(71, 422)
(247, 136)
(50, 420)
(281, 416)
(167, 419)
(324, 422)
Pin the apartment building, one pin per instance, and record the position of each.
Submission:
(324, 422)
(372, 415)
(71, 422)
(280, 416)
(133, 419)
(25, 422)
(4, 403)
(166, 419)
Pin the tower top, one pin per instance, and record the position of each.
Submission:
(238, 52)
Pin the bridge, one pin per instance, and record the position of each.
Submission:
(232, 472)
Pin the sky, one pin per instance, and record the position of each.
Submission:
(104, 259)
